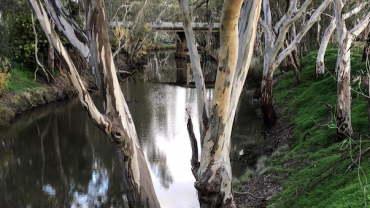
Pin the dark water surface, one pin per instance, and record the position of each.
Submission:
(55, 155)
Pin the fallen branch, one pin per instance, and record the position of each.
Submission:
(329, 106)
(357, 157)
(248, 193)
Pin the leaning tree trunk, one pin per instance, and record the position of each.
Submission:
(116, 121)
(320, 65)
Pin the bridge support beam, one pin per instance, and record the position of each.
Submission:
(181, 52)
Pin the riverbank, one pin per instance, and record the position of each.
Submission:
(24, 94)
(309, 167)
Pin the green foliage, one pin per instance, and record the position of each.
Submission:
(22, 80)
(6, 49)
(314, 147)
(4, 72)
(22, 37)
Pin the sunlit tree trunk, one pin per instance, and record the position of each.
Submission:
(344, 125)
(116, 120)
(213, 173)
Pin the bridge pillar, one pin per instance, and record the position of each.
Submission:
(181, 52)
(183, 72)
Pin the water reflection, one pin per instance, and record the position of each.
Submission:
(163, 67)
(56, 157)
(47, 160)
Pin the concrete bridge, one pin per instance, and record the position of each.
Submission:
(176, 27)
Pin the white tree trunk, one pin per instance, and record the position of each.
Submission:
(213, 178)
(320, 65)
(344, 125)
(272, 57)
(116, 121)
(202, 103)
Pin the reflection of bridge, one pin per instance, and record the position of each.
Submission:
(176, 27)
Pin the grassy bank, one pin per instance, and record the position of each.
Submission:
(22, 79)
(319, 177)
(23, 93)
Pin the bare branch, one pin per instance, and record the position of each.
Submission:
(302, 33)
(361, 26)
(39, 64)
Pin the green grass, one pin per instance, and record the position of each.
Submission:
(319, 150)
(22, 79)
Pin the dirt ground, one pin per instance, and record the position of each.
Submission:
(259, 189)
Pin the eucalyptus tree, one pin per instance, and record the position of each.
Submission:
(274, 40)
(116, 120)
(343, 70)
(214, 170)
(320, 65)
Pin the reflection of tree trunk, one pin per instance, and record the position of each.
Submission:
(63, 178)
(42, 136)
(268, 112)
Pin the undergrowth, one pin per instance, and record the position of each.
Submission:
(315, 147)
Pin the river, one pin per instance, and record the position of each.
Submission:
(55, 156)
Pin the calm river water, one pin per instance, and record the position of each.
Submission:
(55, 156)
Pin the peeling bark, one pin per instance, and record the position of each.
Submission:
(116, 121)
(344, 125)
(213, 180)
(320, 65)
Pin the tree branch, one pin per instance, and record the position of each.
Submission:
(302, 33)
(195, 65)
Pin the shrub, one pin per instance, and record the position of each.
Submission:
(4, 72)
